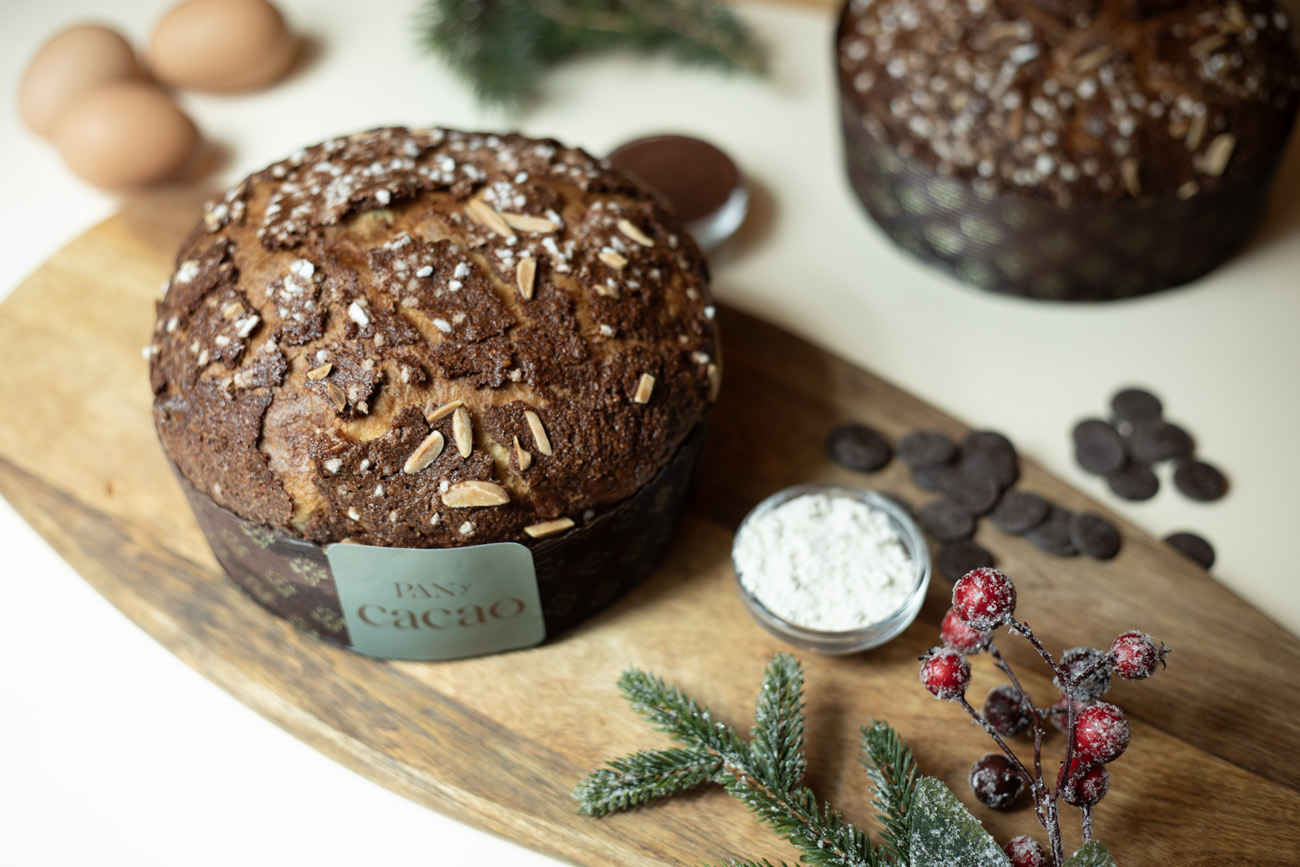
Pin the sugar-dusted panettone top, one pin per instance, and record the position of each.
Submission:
(1075, 101)
(428, 338)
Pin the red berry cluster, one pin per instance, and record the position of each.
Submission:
(982, 601)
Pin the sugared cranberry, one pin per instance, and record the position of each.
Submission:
(984, 598)
(1076, 661)
(1004, 710)
(1059, 720)
(960, 637)
(1024, 851)
(946, 673)
(1136, 655)
(1101, 732)
(995, 781)
(1086, 784)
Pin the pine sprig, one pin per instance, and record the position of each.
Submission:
(892, 769)
(643, 777)
(501, 47)
(777, 746)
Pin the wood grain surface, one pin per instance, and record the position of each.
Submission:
(1211, 777)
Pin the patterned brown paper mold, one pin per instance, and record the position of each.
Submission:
(1096, 155)
(580, 571)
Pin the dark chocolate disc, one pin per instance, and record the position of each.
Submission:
(1094, 535)
(1098, 447)
(1153, 441)
(1133, 481)
(1193, 546)
(976, 496)
(989, 455)
(1018, 512)
(1199, 480)
(926, 448)
(945, 522)
(858, 447)
(955, 559)
(1136, 404)
(937, 477)
(1053, 535)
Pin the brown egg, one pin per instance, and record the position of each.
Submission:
(125, 135)
(73, 62)
(226, 46)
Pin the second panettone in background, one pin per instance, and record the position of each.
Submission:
(1066, 149)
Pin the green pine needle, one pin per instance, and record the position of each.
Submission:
(501, 47)
(892, 769)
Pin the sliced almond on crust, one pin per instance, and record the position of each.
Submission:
(627, 227)
(644, 388)
(481, 212)
(318, 373)
(337, 396)
(613, 259)
(1217, 154)
(528, 223)
(539, 432)
(443, 411)
(526, 276)
(475, 493)
(463, 431)
(523, 457)
(425, 453)
(548, 528)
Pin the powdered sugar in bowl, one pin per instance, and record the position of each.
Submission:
(831, 568)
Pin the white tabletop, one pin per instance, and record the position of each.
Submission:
(113, 752)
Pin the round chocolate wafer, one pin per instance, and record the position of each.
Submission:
(977, 496)
(937, 477)
(1098, 447)
(1153, 441)
(945, 521)
(1094, 535)
(1053, 534)
(1199, 480)
(1018, 512)
(1133, 481)
(926, 448)
(1192, 546)
(989, 455)
(1136, 405)
(858, 447)
(955, 559)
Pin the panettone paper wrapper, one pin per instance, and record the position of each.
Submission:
(576, 574)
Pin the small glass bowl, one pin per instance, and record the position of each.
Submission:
(860, 638)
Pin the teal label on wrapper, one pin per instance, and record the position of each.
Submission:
(438, 603)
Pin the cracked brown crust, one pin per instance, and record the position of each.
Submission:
(1075, 101)
(327, 305)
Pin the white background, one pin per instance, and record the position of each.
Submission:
(114, 753)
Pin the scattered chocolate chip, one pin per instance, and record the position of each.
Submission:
(1153, 441)
(926, 448)
(957, 558)
(945, 522)
(1133, 481)
(1018, 512)
(1053, 534)
(858, 447)
(937, 477)
(976, 496)
(1098, 447)
(990, 455)
(1136, 405)
(1094, 535)
(1199, 480)
(1193, 546)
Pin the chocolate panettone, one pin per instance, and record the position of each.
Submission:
(432, 339)
(1066, 148)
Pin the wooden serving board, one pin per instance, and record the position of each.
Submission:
(1212, 775)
